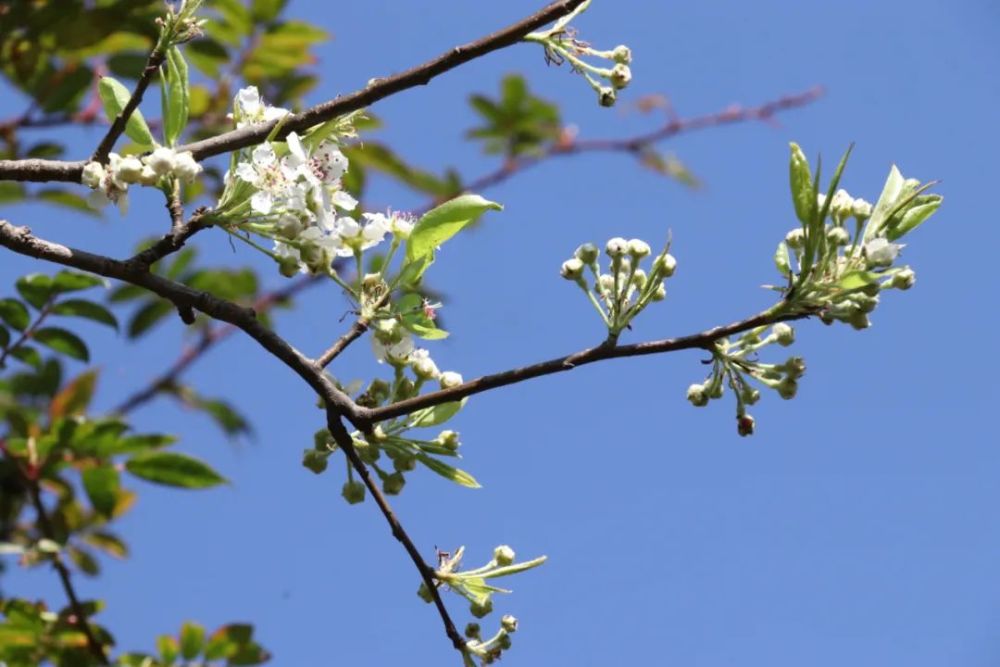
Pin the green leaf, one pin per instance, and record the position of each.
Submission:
(4, 338)
(11, 192)
(914, 217)
(172, 469)
(35, 288)
(412, 272)
(148, 316)
(106, 542)
(74, 397)
(782, 260)
(167, 648)
(192, 640)
(176, 96)
(28, 355)
(266, 10)
(102, 484)
(74, 281)
(115, 96)
(38, 288)
(448, 472)
(885, 204)
(436, 414)
(127, 293)
(855, 279)
(15, 314)
(84, 560)
(441, 223)
(801, 181)
(63, 341)
(87, 310)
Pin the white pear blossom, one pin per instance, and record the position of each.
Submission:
(881, 253)
(250, 109)
(401, 225)
(395, 353)
(186, 167)
(162, 160)
(264, 173)
(422, 364)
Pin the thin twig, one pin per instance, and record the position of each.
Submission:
(153, 63)
(344, 441)
(703, 339)
(377, 89)
(357, 329)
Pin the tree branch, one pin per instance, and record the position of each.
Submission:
(153, 63)
(377, 89)
(704, 339)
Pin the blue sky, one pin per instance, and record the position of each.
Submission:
(858, 526)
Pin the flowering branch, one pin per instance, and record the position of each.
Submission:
(103, 150)
(377, 89)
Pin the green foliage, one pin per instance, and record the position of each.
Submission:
(115, 96)
(517, 122)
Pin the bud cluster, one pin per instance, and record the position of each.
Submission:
(562, 45)
(735, 363)
(626, 289)
(838, 270)
(471, 585)
(110, 182)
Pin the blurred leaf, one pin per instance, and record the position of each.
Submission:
(192, 640)
(147, 316)
(167, 647)
(263, 11)
(11, 192)
(518, 122)
(75, 396)
(66, 87)
(381, 157)
(172, 469)
(208, 55)
(448, 472)
(115, 96)
(67, 199)
(63, 341)
(669, 166)
(127, 293)
(45, 149)
(28, 355)
(14, 314)
(84, 560)
(106, 542)
(87, 310)
(4, 337)
(101, 484)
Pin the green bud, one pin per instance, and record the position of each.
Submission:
(905, 279)
(288, 267)
(660, 293)
(787, 388)
(606, 96)
(697, 395)
(481, 609)
(448, 439)
(404, 390)
(587, 253)
(322, 441)
(801, 182)
(639, 279)
(622, 54)
(666, 264)
(503, 555)
(353, 492)
(794, 368)
(784, 334)
(404, 462)
(393, 484)
(504, 642)
(796, 238)
(367, 452)
(859, 320)
(473, 631)
(315, 460)
(750, 395)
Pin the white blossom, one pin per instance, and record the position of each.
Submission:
(250, 109)
(881, 253)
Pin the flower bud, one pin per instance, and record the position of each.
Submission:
(606, 283)
(606, 96)
(425, 368)
(148, 177)
(842, 204)
(794, 368)
(621, 76)
(795, 238)
(162, 160)
(404, 390)
(667, 264)
(660, 293)
(93, 174)
(697, 395)
(572, 269)
(639, 279)
(353, 492)
(820, 201)
(905, 279)
(508, 623)
(393, 484)
(750, 395)
(861, 209)
(448, 439)
(503, 555)
(784, 334)
(838, 236)
(880, 253)
(638, 248)
(745, 425)
(473, 631)
(185, 167)
(425, 593)
(314, 460)
(289, 266)
(129, 169)
(404, 462)
(450, 379)
(859, 320)
(480, 609)
(622, 54)
(787, 388)
(587, 253)
(616, 247)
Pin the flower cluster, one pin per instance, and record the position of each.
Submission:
(735, 363)
(626, 289)
(291, 192)
(110, 182)
(562, 45)
(471, 585)
(838, 270)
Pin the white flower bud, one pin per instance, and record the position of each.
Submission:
(508, 623)
(750, 396)
(795, 238)
(638, 248)
(621, 76)
(448, 439)
(572, 269)
(450, 379)
(697, 395)
(606, 283)
(667, 264)
(861, 209)
(905, 279)
(503, 555)
(820, 201)
(784, 334)
(880, 253)
(622, 54)
(838, 236)
(639, 279)
(93, 174)
(129, 169)
(148, 176)
(842, 204)
(162, 160)
(794, 368)
(661, 292)
(616, 247)
(587, 253)
(606, 96)
(185, 166)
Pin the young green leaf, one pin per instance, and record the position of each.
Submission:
(63, 341)
(886, 203)
(14, 314)
(115, 96)
(87, 310)
(914, 217)
(441, 223)
(176, 96)
(801, 181)
(855, 279)
(436, 414)
(192, 640)
(172, 469)
(448, 472)
(101, 484)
